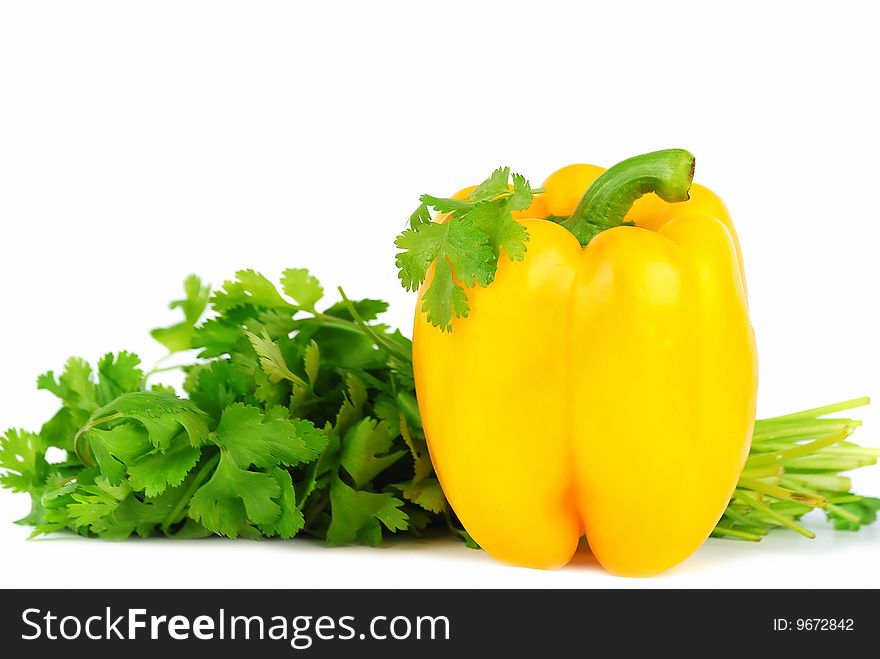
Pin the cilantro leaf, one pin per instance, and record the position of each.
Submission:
(271, 359)
(462, 256)
(155, 471)
(80, 394)
(439, 204)
(278, 323)
(61, 429)
(118, 375)
(268, 393)
(117, 447)
(353, 402)
(252, 437)
(367, 309)
(426, 493)
(469, 542)
(356, 515)
(365, 451)
(216, 385)
(217, 336)
(461, 243)
(421, 215)
(521, 197)
(195, 301)
(234, 501)
(152, 437)
(496, 221)
(464, 248)
(305, 290)
(238, 501)
(291, 520)
(493, 186)
(865, 510)
(418, 447)
(424, 489)
(179, 336)
(162, 416)
(444, 298)
(93, 503)
(75, 387)
(23, 457)
(312, 362)
(248, 288)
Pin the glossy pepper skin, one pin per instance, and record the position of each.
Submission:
(606, 390)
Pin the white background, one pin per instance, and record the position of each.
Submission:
(140, 142)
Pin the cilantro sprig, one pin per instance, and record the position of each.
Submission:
(300, 418)
(293, 420)
(464, 248)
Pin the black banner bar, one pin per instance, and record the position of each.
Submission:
(428, 623)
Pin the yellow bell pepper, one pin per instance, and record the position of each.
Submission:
(604, 386)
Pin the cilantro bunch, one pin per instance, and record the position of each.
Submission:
(295, 421)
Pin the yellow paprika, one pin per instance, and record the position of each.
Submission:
(604, 385)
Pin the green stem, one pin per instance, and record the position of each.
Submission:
(798, 450)
(720, 531)
(821, 411)
(801, 430)
(747, 500)
(840, 512)
(826, 482)
(197, 482)
(839, 450)
(849, 498)
(666, 173)
(820, 463)
(767, 471)
(83, 452)
(798, 496)
(316, 510)
(378, 339)
(330, 321)
(742, 520)
(163, 369)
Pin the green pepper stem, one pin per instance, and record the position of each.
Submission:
(667, 173)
